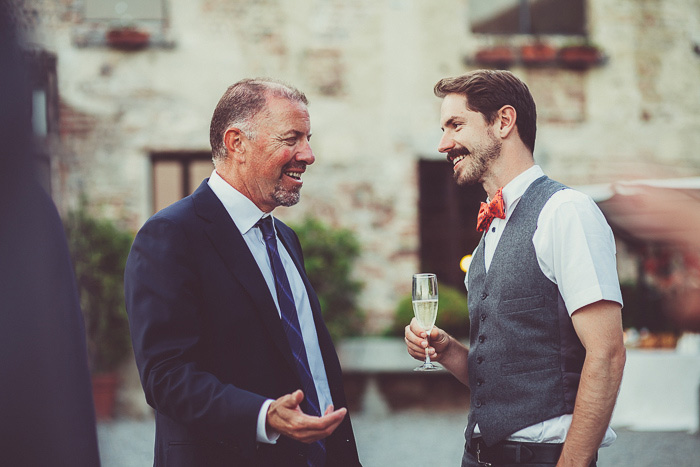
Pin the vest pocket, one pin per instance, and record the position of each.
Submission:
(522, 304)
(529, 366)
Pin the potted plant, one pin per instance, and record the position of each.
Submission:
(127, 38)
(98, 251)
(329, 259)
(453, 313)
(497, 57)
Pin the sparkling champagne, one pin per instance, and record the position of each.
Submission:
(426, 312)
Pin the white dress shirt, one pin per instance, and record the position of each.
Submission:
(575, 249)
(245, 214)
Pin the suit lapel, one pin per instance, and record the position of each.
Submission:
(236, 255)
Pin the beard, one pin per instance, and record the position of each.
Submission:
(284, 196)
(474, 166)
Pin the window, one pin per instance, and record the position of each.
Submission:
(447, 217)
(124, 10)
(535, 17)
(123, 24)
(44, 111)
(176, 175)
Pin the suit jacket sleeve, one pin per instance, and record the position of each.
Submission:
(162, 296)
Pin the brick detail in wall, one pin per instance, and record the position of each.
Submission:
(73, 122)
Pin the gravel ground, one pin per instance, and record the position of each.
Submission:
(415, 438)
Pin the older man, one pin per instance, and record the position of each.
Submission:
(227, 331)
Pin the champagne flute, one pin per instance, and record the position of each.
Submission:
(425, 306)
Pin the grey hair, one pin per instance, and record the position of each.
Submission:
(239, 106)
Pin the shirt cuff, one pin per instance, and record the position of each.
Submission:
(263, 436)
(593, 295)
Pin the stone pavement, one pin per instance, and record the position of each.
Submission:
(417, 438)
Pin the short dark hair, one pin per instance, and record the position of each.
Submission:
(240, 103)
(487, 91)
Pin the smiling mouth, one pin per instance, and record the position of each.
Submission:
(457, 159)
(457, 155)
(294, 175)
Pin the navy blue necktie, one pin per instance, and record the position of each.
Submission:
(290, 323)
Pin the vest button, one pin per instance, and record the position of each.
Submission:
(483, 317)
(479, 382)
(479, 359)
(482, 338)
(477, 403)
(484, 295)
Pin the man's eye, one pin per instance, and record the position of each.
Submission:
(290, 141)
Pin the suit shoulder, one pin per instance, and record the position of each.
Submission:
(178, 217)
(176, 212)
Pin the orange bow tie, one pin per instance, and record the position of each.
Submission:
(487, 212)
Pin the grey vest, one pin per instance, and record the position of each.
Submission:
(525, 358)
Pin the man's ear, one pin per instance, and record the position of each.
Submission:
(506, 120)
(235, 143)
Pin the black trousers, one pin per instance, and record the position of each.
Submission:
(469, 460)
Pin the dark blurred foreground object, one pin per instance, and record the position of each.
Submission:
(664, 224)
(46, 412)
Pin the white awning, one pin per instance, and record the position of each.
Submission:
(604, 191)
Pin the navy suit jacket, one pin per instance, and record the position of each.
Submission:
(209, 343)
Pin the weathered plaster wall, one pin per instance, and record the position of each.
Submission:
(368, 68)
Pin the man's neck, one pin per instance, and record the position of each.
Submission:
(506, 168)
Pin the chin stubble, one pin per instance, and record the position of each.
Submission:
(479, 162)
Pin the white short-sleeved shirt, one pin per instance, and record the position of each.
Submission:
(575, 249)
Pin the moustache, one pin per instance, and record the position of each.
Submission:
(295, 165)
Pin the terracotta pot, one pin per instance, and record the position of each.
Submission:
(538, 54)
(495, 56)
(127, 38)
(579, 57)
(104, 392)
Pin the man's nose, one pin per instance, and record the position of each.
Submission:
(446, 143)
(306, 154)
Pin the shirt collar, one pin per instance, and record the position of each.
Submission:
(515, 189)
(243, 211)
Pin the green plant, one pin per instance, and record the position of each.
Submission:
(453, 313)
(98, 251)
(329, 256)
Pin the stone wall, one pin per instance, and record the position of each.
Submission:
(368, 68)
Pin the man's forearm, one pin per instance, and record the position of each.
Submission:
(597, 393)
